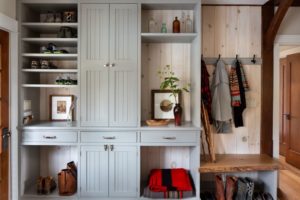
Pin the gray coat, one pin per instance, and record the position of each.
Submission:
(221, 99)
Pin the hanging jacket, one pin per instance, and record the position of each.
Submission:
(221, 100)
(205, 89)
(238, 87)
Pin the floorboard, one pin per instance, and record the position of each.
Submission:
(289, 182)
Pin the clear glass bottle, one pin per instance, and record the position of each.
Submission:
(176, 25)
(152, 25)
(189, 25)
(182, 23)
(164, 28)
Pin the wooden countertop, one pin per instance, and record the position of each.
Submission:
(240, 163)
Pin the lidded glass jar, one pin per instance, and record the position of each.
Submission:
(164, 28)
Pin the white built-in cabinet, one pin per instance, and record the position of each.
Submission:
(108, 170)
(109, 65)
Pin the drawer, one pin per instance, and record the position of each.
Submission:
(169, 137)
(50, 136)
(108, 137)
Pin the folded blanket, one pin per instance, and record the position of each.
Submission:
(162, 180)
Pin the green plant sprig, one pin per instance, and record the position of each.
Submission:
(171, 82)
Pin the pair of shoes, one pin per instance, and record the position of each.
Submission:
(42, 64)
(66, 32)
(245, 189)
(49, 49)
(227, 192)
(262, 196)
(45, 185)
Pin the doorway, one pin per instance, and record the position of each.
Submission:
(4, 115)
(289, 121)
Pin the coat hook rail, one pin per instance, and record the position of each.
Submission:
(230, 61)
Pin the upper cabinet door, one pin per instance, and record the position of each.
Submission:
(124, 63)
(94, 51)
(123, 171)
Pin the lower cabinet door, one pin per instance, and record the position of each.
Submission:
(123, 171)
(94, 171)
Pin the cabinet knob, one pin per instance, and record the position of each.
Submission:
(106, 65)
(111, 147)
(112, 65)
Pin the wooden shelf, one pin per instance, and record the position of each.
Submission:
(58, 41)
(57, 56)
(168, 37)
(240, 163)
(50, 70)
(48, 86)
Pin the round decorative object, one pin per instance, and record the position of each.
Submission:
(166, 105)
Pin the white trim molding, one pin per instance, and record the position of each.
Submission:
(11, 26)
(281, 40)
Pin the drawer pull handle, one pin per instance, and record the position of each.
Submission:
(109, 138)
(49, 137)
(169, 138)
(105, 147)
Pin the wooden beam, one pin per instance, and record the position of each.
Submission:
(270, 25)
(273, 28)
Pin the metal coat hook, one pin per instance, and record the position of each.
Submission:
(236, 56)
(219, 56)
(254, 59)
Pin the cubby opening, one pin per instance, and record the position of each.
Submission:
(168, 157)
(264, 181)
(37, 100)
(43, 161)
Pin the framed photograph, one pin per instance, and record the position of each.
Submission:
(61, 107)
(163, 103)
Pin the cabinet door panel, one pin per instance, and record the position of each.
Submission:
(94, 97)
(123, 171)
(123, 74)
(94, 34)
(94, 171)
(94, 55)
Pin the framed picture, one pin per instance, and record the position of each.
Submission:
(163, 103)
(61, 107)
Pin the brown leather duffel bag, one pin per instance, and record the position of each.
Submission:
(67, 181)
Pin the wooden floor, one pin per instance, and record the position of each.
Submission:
(289, 182)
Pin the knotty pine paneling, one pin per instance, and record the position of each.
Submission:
(231, 30)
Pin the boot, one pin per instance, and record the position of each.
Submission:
(231, 187)
(241, 190)
(50, 185)
(220, 193)
(39, 185)
(250, 188)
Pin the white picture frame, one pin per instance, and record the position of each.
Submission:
(60, 107)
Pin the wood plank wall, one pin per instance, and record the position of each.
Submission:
(231, 30)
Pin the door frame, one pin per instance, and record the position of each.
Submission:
(281, 40)
(11, 26)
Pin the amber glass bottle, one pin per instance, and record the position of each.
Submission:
(176, 25)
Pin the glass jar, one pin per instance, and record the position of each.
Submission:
(152, 25)
(189, 25)
(164, 28)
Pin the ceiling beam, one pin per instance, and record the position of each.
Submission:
(271, 33)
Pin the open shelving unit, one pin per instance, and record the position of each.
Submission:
(180, 51)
